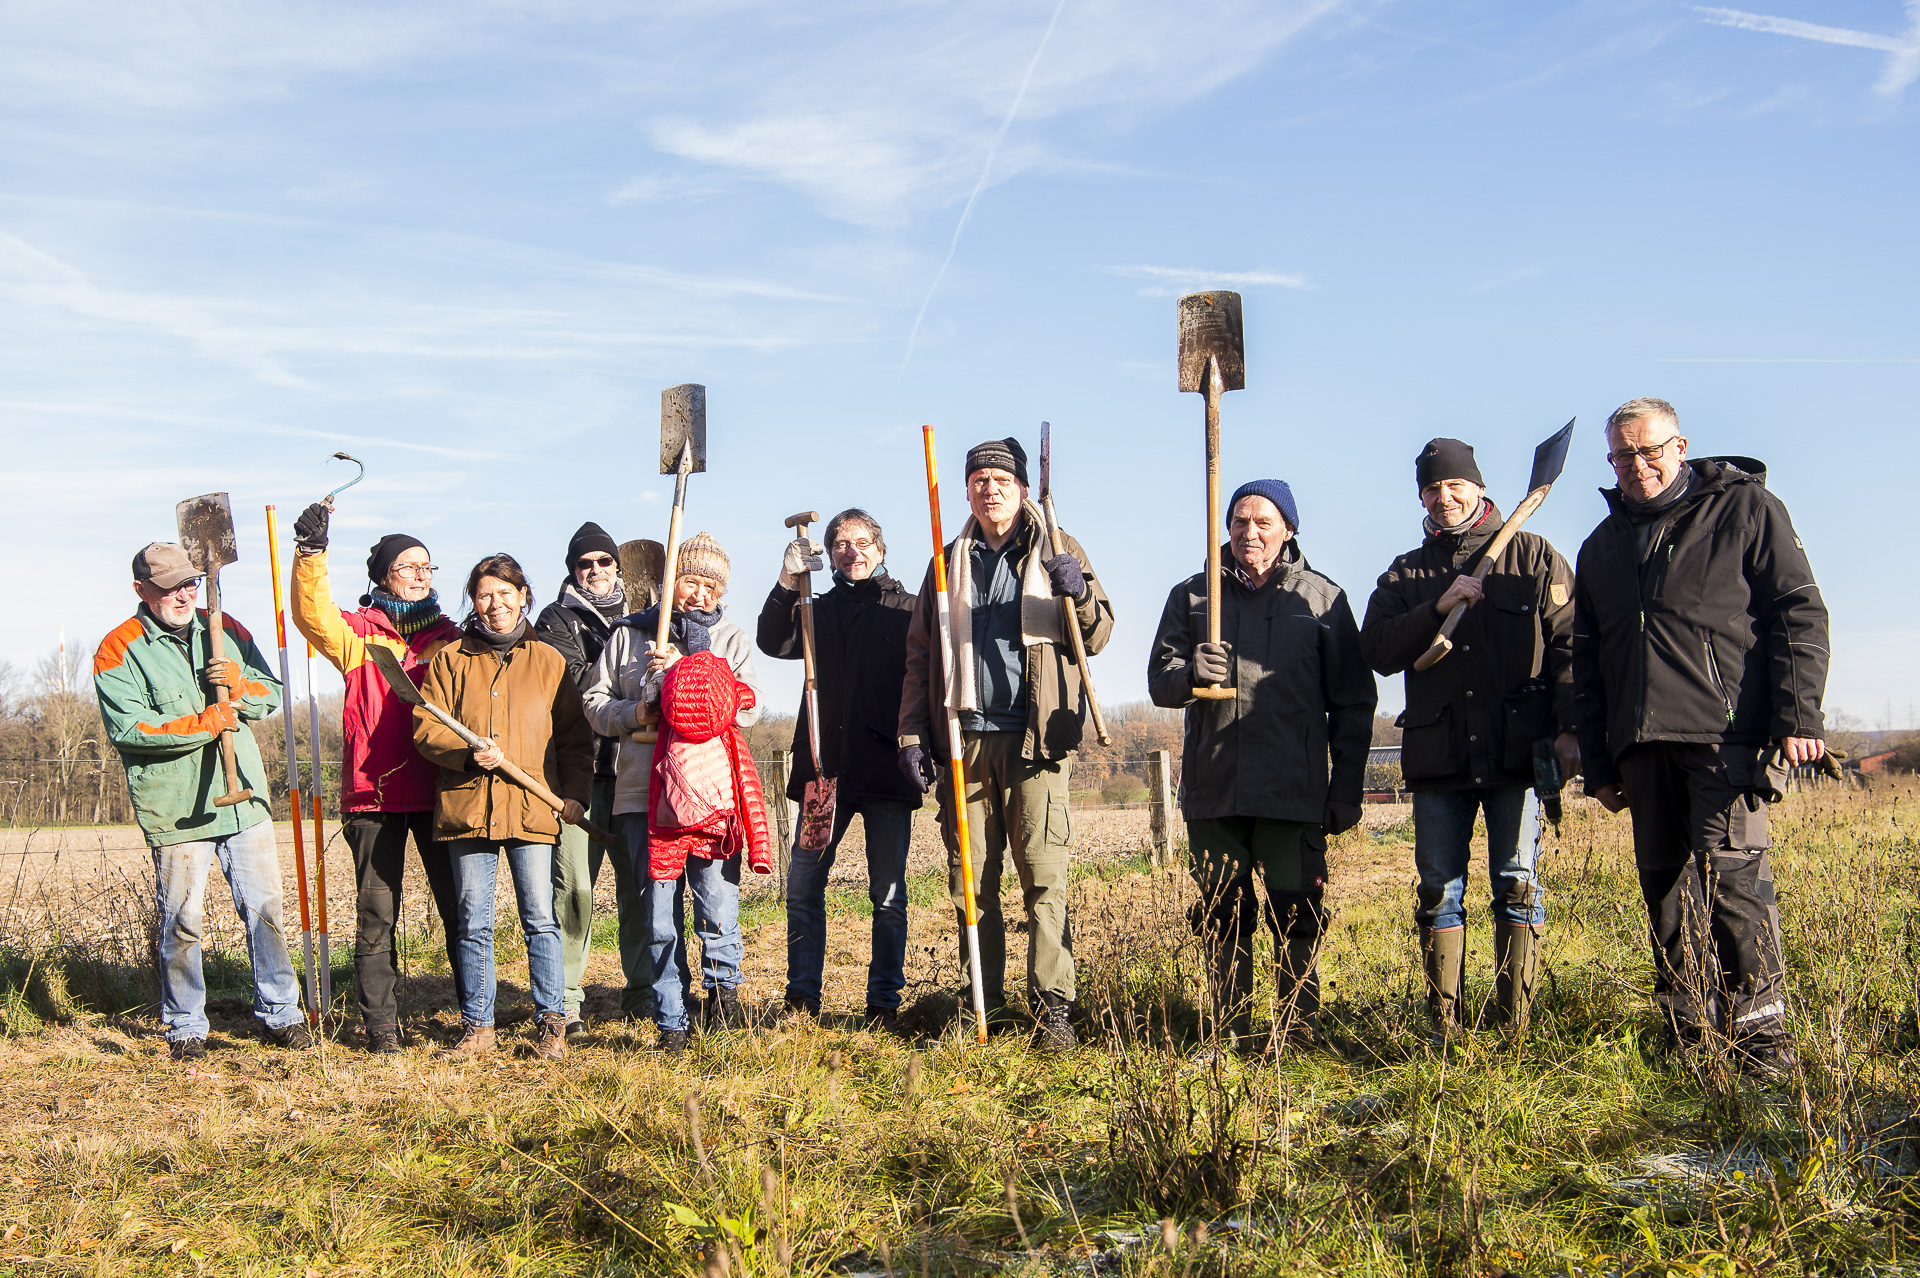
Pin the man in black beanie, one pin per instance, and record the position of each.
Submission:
(577, 623)
(1473, 721)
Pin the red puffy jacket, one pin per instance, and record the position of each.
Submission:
(703, 798)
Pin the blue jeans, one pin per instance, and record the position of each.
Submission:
(1442, 838)
(715, 888)
(888, 823)
(252, 866)
(476, 871)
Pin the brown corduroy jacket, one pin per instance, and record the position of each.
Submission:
(530, 707)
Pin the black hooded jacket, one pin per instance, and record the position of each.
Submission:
(1718, 635)
(860, 638)
(576, 628)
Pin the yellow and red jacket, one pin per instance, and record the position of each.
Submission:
(382, 772)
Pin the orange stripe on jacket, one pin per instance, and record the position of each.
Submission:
(186, 723)
(113, 649)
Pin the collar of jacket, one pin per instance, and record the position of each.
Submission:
(196, 620)
(1711, 477)
(880, 583)
(572, 597)
(1291, 561)
(473, 645)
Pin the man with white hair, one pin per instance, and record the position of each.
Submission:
(1267, 775)
(1699, 661)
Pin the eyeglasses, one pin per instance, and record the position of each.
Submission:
(1621, 458)
(863, 546)
(595, 561)
(184, 588)
(416, 571)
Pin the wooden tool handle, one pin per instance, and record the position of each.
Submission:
(515, 773)
(217, 649)
(1069, 613)
(1215, 388)
(1443, 642)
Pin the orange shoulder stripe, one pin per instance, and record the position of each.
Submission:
(113, 649)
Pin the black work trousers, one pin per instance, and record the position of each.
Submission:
(1700, 844)
(379, 843)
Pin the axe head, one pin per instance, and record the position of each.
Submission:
(396, 678)
(1551, 457)
(642, 565)
(206, 531)
(802, 519)
(683, 423)
(1210, 329)
(1046, 461)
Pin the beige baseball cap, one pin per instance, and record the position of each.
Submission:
(165, 565)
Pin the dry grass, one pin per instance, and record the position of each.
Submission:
(817, 1148)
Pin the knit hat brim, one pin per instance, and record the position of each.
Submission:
(702, 556)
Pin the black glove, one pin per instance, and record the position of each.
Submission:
(1340, 817)
(916, 767)
(1212, 664)
(1063, 573)
(310, 530)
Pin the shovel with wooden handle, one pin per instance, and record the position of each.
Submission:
(403, 688)
(1548, 460)
(683, 452)
(206, 534)
(1067, 611)
(642, 564)
(1213, 360)
(817, 803)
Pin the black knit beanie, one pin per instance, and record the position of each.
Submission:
(587, 539)
(1000, 454)
(1445, 458)
(385, 551)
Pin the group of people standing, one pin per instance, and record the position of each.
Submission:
(1679, 670)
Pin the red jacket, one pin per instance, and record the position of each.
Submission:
(382, 771)
(703, 798)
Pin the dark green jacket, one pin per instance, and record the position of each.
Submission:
(153, 703)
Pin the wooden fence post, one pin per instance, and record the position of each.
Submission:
(777, 777)
(1160, 804)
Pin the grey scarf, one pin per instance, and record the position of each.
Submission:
(500, 644)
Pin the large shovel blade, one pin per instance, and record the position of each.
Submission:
(643, 565)
(397, 679)
(206, 531)
(683, 422)
(1210, 329)
(1551, 457)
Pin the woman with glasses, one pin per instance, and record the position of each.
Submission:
(386, 788)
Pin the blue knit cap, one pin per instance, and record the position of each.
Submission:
(1275, 491)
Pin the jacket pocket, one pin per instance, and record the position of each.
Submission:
(1426, 746)
(1527, 718)
(1714, 678)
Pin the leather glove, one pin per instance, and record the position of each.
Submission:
(310, 530)
(1340, 817)
(225, 672)
(1064, 575)
(802, 558)
(221, 716)
(1212, 663)
(916, 767)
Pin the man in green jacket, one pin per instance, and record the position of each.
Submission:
(154, 680)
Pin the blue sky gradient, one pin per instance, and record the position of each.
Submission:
(470, 243)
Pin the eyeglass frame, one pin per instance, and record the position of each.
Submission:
(191, 586)
(415, 571)
(860, 547)
(1648, 453)
(595, 560)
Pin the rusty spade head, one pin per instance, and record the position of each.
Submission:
(683, 429)
(642, 565)
(206, 531)
(1210, 329)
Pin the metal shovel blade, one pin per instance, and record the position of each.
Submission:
(1551, 457)
(389, 664)
(642, 566)
(1210, 328)
(683, 420)
(206, 531)
(816, 813)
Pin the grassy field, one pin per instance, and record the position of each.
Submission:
(795, 1148)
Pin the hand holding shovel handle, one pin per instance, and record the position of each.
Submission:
(206, 534)
(1213, 360)
(1548, 460)
(1067, 610)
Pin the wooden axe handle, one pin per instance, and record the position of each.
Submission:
(1443, 642)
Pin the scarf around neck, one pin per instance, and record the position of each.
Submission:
(500, 644)
(409, 617)
(1040, 620)
(1467, 525)
(690, 630)
(611, 606)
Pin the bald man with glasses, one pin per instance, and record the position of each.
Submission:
(1699, 663)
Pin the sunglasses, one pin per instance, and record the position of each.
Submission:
(594, 561)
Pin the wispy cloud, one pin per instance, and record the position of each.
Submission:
(1180, 279)
(1903, 51)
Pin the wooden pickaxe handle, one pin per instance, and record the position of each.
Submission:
(1443, 642)
(1072, 618)
(217, 649)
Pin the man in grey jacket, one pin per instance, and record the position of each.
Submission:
(1255, 786)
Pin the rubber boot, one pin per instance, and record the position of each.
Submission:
(1444, 956)
(1516, 958)
(1296, 989)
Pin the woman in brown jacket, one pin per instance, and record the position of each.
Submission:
(514, 690)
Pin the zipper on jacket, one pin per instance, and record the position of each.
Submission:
(1713, 676)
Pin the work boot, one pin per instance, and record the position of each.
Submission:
(577, 1027)
(293, 1037)
(1444, 956)
(673, 1042)
(382, 1040)
(550, 1035)
(1516, 961)
(1230, 989)
(1296, 988)
(1053, 1030)
(792, 1007)
(723, 1011)
(474, 1041)
(188, 1049)
(1769, 1060)
(882, 1020)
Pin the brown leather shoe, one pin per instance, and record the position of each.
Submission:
(474, 1040)
(550, 1036)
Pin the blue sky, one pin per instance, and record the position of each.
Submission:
(471, 242)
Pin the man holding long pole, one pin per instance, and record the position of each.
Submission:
(1020, 707)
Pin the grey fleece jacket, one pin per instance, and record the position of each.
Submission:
(614, 695)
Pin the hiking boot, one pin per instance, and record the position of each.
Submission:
(550, 1035)
(474, 1040)
(673, 1042)
(883, 1020)
(723, 1011)
(1053, 1032)
(1444, 957)
(1516, 961)
(188, 1049)
(1770, 1061)
(577, 1027)
(793, 1007)
(293, 1037)
(383, 1040)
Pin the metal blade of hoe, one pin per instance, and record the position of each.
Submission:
(206, 531)
(1551, 457)
(683, 420)
(1210, 327)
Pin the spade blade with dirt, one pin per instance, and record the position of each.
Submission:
(405, 689)
(820, 794)
(206, 534)
(642, 566)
